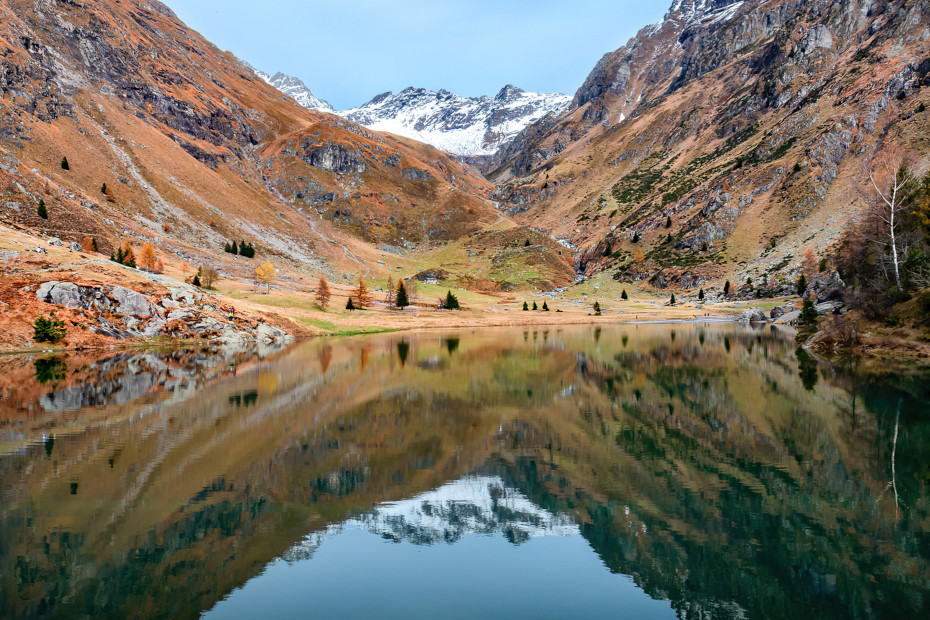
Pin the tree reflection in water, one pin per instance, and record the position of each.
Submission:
(717, 468)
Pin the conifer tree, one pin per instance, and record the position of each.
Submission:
(545, 307)
(93, 242)
(701, 294)
(808, 313)
(452, 302)
(64, 164)
(535, 307)
(597, 308)
(196, 281)
(636, 237)
(726, 289)
(350, 305)
(322, 294)
(103, 189)
(624, 296)
(526, 308)
(42, 211)
(668, 222)
(802, 285)
(671, 301)
(401, 300)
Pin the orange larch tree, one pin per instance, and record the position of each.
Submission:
(147, 258)
(323, 294)
(362, 295)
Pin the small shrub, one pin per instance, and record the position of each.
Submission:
(636, 237)
(921, 107)
(165, 226)
(892, 321)
(50, 329)
(527, 244)
(797, 167)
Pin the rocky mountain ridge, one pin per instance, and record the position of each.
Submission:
(469, 127)
(465, 126)
(295, 88)
(726, 139)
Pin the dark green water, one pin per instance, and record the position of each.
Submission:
(646, 472)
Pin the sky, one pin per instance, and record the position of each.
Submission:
(348, 51)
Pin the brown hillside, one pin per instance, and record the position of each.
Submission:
(195, 150)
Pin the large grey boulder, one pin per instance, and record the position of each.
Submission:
(752, 315)
(778, 311)
(131, 302)
(154, 328)
(67, 294)
(266, 334)
(182, 295)
(70, 295)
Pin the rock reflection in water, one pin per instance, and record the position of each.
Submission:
(718, 470)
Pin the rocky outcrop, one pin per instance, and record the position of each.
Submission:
(184, 313)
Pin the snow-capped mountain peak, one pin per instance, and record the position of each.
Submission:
(468, 126)
(295, 89)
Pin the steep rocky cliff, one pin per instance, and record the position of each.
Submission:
(728, 138)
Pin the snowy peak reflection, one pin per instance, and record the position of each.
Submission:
(470, 505)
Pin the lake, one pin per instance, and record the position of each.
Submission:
(641, 471)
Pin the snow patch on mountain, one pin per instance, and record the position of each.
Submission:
(295, 89)
(699, 10)
(467, 126)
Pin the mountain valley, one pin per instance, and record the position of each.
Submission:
(729, 141)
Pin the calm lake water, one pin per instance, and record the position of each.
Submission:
(652, 471)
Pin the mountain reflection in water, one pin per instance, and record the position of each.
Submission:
(651, 470)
